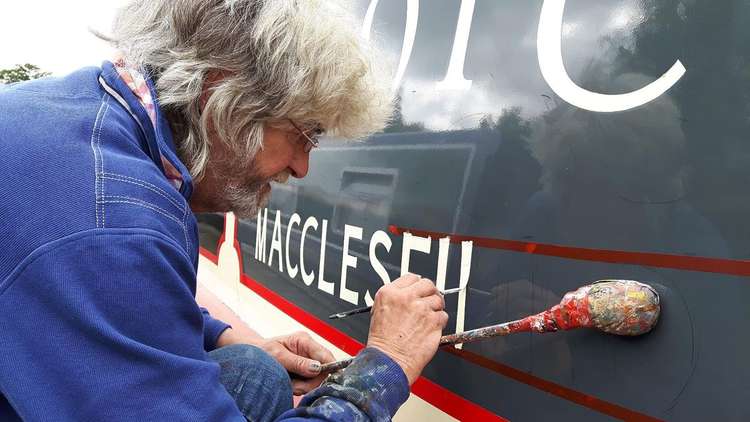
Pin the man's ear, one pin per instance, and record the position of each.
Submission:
(213, 78)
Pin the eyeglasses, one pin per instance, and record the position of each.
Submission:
(312, 140)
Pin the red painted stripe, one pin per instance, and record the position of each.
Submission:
(661, 260)
(440, 397)
(585, 400)
(210, 255)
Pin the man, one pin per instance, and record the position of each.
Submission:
(103, 169)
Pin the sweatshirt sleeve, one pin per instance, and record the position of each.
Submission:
(212, 329)
(102, 325)
(371, 388)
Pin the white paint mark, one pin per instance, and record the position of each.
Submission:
(228, 258)
(378, 238)
(276, 242)
(442, 266)
(260, 236)
(413, 243)
(466, 251)
(295, 219)
(454, 78)
(323, 285)
(349, 261)
(549, 51)
(410, 32)
(369, 17)
(308, 278)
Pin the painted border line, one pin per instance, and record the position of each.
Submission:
(438, 396)
(582, 399)
(649, 259)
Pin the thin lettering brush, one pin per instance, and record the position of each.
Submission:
(619, 307)
(364, 309)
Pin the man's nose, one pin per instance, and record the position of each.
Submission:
(300, 164)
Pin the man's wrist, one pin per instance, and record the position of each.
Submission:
(410, 373)
(231, 336)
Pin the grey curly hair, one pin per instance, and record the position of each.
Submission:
(302, 60)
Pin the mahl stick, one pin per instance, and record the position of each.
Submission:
(620, 307)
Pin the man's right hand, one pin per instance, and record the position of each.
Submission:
(407, 322)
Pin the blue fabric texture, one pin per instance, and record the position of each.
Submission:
(259, 385)
(98, 271)
(371, 388)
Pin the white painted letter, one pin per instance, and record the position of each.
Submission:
(549, 51)
(349, 261)
(260, 236)
(454, 78)
(307, 278)
(290, 269)
(322, 284)
(413, 243)
(466, 249)
(276, 242)
(410, 32)
(378, 238)
(442, 266)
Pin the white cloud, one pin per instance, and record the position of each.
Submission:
(54, 35)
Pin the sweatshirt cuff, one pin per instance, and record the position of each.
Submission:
(373, 382)
(212, 329)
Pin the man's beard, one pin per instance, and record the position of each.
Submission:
(245, 196)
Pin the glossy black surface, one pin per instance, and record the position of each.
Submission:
(508, 158)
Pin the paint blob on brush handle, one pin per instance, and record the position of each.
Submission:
(621, 307)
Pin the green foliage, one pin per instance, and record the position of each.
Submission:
(22, 72)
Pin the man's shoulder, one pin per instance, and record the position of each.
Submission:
(73, 160)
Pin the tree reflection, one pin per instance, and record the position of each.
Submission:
(713, 99)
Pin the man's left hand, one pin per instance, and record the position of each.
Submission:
(302, 356)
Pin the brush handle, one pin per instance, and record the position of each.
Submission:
(620, 307)
(465, 337)
(354, 311)
(365, 309)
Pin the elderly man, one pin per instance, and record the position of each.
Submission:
(208, 102)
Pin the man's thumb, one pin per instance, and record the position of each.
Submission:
(307, 368)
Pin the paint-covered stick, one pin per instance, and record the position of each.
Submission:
(365, 309)
(620, 307)
(328, 368)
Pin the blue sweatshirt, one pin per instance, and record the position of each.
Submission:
(98, 271)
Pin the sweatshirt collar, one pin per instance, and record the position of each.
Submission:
(136, 93)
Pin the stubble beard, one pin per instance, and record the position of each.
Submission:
(244, 194)
(244, 199)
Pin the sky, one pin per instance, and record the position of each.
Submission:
(54, 34)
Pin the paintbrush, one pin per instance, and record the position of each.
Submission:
(620, 307)
(364, 309)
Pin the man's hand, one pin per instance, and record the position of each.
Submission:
(301, 356)
(407, 322)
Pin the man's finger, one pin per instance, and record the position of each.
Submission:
(424, 288)
(307, 368)
(436, 302)
(304, 386)
(310, 348)
(405, 280)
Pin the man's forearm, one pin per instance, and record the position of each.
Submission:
(239, 332)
